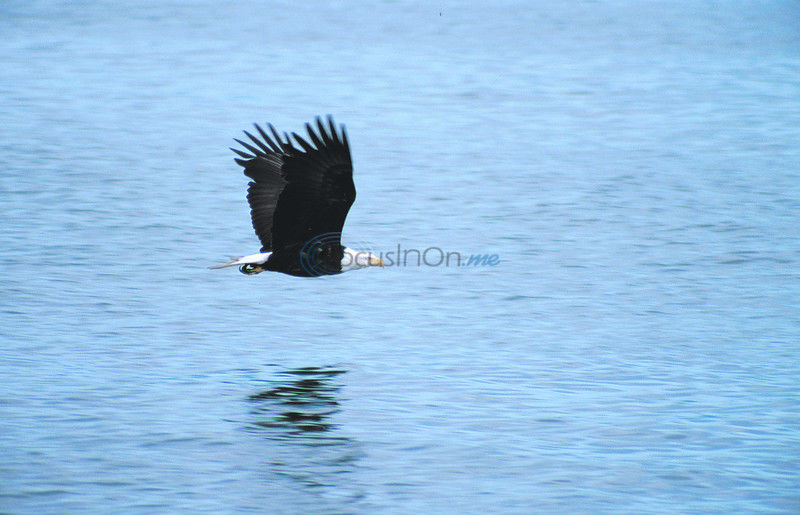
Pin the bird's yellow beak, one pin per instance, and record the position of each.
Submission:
(374, 261)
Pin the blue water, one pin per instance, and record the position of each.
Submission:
(634, 165)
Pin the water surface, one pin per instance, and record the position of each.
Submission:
(633, 165)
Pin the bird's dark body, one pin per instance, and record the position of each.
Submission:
(299, 198)
(306, 261)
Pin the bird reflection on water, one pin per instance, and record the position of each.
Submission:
(296, 412)
(300, 406)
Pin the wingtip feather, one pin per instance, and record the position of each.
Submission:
(240, 153)
(249, 147)
(303, 143)
(258, 142)
(267, 139)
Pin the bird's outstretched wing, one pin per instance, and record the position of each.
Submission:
(301, 190)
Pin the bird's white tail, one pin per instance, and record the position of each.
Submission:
(252, 259)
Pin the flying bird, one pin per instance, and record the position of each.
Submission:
(299, 197)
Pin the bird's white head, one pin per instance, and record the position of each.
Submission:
(353, 259)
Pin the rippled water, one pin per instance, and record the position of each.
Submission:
(634, 165)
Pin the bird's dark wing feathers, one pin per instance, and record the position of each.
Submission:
(298, 193)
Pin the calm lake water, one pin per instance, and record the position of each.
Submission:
(635, 167)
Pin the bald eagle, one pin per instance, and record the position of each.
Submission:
(299, 197)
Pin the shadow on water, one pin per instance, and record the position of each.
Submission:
(297, 411)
